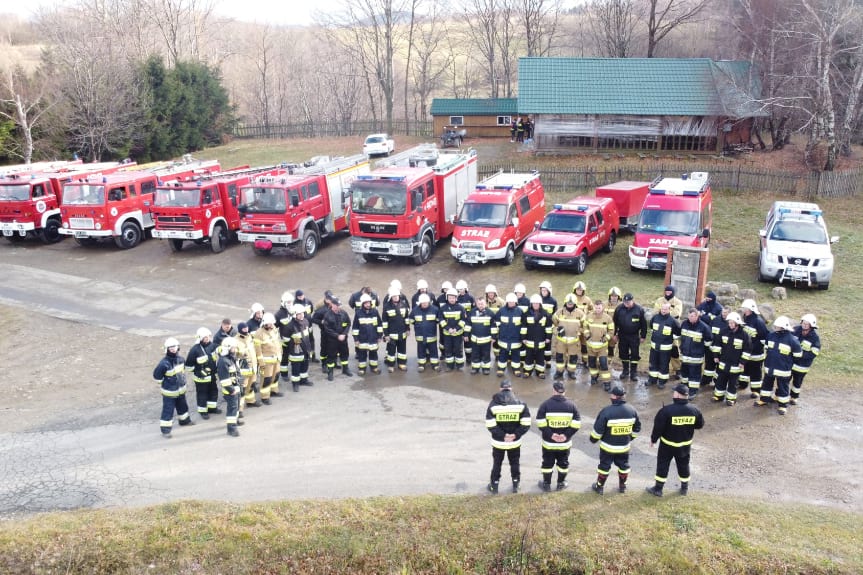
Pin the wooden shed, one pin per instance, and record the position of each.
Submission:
(482, 118)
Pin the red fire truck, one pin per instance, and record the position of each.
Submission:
(30, 200)
(406, 207)
(300, 208)
(204, 211)
(118, 205)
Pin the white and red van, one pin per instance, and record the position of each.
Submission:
(497, 217)
(676, 212)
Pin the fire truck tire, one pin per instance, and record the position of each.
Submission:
(509, 256)
(612, 240)
(424, 251)
(130, 236)
(50, 234)
(310, 244)
(219, 239)
(581, 262)
(176, 245)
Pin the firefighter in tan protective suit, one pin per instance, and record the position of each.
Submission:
(247, 360)
(567, 337)
(585, 304)
(598, 328)
(268, 351)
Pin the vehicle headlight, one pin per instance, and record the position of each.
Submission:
(772, 258)
(494, 244)
(640, 252)
(570, 249)
(454, 243)
(98, 225)
(279, 228)
(66, 225)
(825, 262)
(246, 227)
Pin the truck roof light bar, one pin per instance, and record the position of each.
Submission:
(800, 211)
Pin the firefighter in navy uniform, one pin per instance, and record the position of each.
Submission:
(614, 428)
(336, 325)
(695, 340)
(254, 321)
(810, 343)
(226, 329)
(396, 327)
(664, 333)
(367, 330)
(630, 327)
(424, 318)
(301, 299)
(675, 309)
(734, 344)
(673, 427)
(549, 304)
(300, 346)
(716, 325)
(422, 288)
(783, 350)
(354, 302)
(753, 362)
(558, 420)
(478, 329)
(170, 373)
(507, 418)
(283, 318)
(468, 302)
(317, 318)
(201, 363)
(228, 376)
(508, 331)
(451, 318)
(537, 337)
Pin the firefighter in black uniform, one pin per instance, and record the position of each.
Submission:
(367, 330)
(507, 419)
(478, 329)
(695, 339)
(451, 317)
(171, 376)
(201, 363)
(424, 318)
(558, 420)
(226, 329)
(255, 320)
(810, 342)
(549, 304)
(283, 317)
(630, 327)
(336, 326)
(673, 427)
(317, 318)
(719, 322)
(753, 361)
(783, 349)
(467, 301)
(396, 327)
(354, 301)
(734, 343)
(228, 375)
(422, 288)
(615, 427)
(299, 346)
(537, 337)
(301, 299)
(664, 332)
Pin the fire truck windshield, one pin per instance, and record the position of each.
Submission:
(378, 198)
(14, 192)
(257, 200)
(177, 197)
(83, 195)
(564, 222)
(483, 215)
(668, 222)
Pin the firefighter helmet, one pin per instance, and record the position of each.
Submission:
(256, 307)
(447, 285)
(735, 317)
(570, 298)
(451, 292)
(298, 308)
(536, 298)
(511, 298)
(615, 291)
(519, 288)
(393, 291)
(782, 322)
(227, 344)
(810, 319)
(171, 342)
(287, 299)
(424, 298)
(202, 333)
(546, 285)
(365, 298)
(269, 319)
(396, 284)
(461, 284)
(579, 285)
(422, 284)
(490, 288)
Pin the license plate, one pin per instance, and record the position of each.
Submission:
(469, 258)
(796, 272)
(80, 234)
(659, 260)
(545, 262)
(378, 245)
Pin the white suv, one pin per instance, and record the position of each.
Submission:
(795, 246)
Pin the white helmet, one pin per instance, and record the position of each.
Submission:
(269, 319)
(422, 284)
(782, 322)
(511, 298)
(579, 285)
(393, 291)
(256, 307)
(546, 285)
(810, 319)
(536, 298)
(447, 285)
(298, 308)
(227, 344)
(750, 305)
(461, 284)
(615, 291)
(570, 298)
(452, 292)
(424, 298)
(396, 284)
(490, 288)
(365, 298)
(287, 299)
(735, 317)
(202, 333)
(171, 342)
(519, 288)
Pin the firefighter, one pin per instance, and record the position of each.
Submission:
(537, 338)
(673, 427)
(451, 318)
(228, 375)
(441, 297)
(248, 362)
(201, 363)
(597, 330)
(492, 300)
(396, 327)
(810, 343)
(354, 302)
(336, 324)
(424, 318)
(257, 314)
(507, 418)
(467, 301)
(709, 308)
(783, 349)
(367, 331)
(753, 365)
(317, 318)
(395, 285)
(226, 329)
(422, 288)
(268, 350)
(734, 342)
(585, 304)
(614, 301)
(630, 327)
(170, 373)
(478, 329)
(283, 318)
(695, 340)
(567, 332)
(508, 330)
(675, 309)
(718, 321)
(521, 295)
(301, 299)
(614, 428)
(664, 332)
(549, 304)
(558, 420)
(299, 345)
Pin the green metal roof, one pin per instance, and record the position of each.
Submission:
(635, 86)
(474, 106)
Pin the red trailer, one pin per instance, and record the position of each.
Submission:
(629, 197)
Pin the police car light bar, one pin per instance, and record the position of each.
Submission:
(801, 211)
(577, 208)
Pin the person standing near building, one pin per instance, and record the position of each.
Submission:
(228, 376)
(614, 428)
(451, 318)
(664, 332)
(248, 363)
(558, 420)
(537, 337)
(367, 330)
(201, 363)
(424, 318)
(170, 373)
(396, 327)
(567, 333)
(753, 362)
(597, 329)
(478, 329)
(630, 327)
(810, 343)
(508, 331)
(299, 346)
(674, 427)
(268, 352)
(734, 343)
(519, 130)
(695, 340)
(336, 325)
(783, 349)
(507, 418)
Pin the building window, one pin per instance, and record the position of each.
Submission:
(456, 120)
(504, 120)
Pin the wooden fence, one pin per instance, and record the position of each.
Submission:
(331, 129)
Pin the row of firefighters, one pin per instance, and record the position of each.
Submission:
(711, 345)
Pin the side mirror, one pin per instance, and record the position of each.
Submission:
(536, 225)
(514, 222)
(706, 233)
(834, 239)
(593, 228)
(762, 233)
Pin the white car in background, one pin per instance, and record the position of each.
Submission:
(378, 145)
(795, 246)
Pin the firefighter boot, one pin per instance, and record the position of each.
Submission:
(621, 482)
(561, 481)
(347, 371)
(558, 375)
(598, 488)
(633, 373)
(492, 486)
(329, 374)
(515, 483)
(545, 486)
(655, 489)
(684, 488)
(296, 386)
(232, 431)
(625, 373)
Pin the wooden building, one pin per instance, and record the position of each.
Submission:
(482, 118)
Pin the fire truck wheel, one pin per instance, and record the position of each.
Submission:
(219, 239)
(130, 236)
(310, 245)
(609, 247)
(424, 251)
(581, 262)
(509, 256)
(176, 245)
(50, 233)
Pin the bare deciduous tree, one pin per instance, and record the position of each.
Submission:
(28, 98)
(612, 25)
(432, 60)
(663, 16)
(539, 19)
